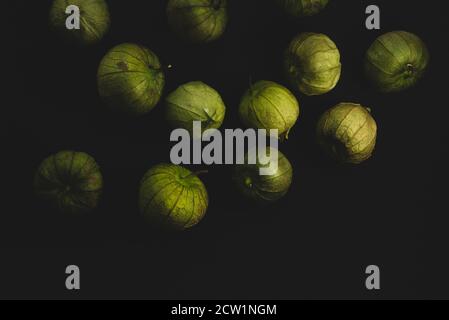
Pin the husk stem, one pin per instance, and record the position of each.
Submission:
(410, 69)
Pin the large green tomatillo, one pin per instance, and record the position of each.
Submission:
(71, 181)
(312, 63)
(94, 20)
(195, 101)
(396, 61)
(348, 133)
(172, 197)
(264, 188)
(268, 105)
(301, 8)
(198, 21)
(130, 79)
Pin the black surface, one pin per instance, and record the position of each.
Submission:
(315, 243)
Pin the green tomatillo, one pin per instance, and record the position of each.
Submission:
(396, 61)
(198, 21)
(172, 197)
(264, 188)
(94, 20)
(312, 64)
(268, 105)
(195, 101)
(348, 133)
(301, 8)
(131, 79)
(71, 181)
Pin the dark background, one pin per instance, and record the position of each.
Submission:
(316, 243)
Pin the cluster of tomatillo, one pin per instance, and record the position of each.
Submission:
(131, 80)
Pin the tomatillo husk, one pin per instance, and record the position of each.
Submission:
(172, 197)
(195, 101)
(396, 61)
(312, 64)
(348, 133)
(303, 8)
(268, 105)
(131, 79)
(198, 21)
(94, 21)
(70, 181)
(264, 188)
